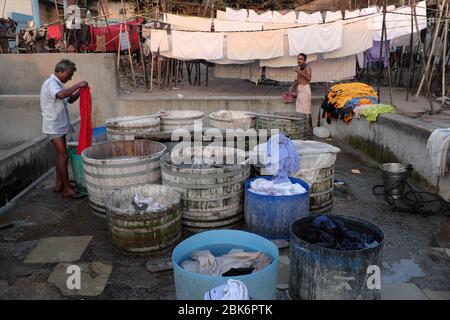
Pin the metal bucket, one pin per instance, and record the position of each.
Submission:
(394, 179)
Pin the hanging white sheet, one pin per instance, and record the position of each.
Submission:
(197, 45)
(253, 16)
(159, 40)
(189, 23)
(331, 16)
(248, 71)
(225, 25)
(221, 15)
(255, 45)
(236, 15)
(356, 38)
(306, 18)
(315, 38)
(352, 14)
(289, 17)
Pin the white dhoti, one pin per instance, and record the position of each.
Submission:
(303, 103)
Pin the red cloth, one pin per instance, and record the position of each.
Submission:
(113, 33)
(85, 138)
(54, 31)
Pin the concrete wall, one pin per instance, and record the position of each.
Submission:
(19, 91)
(395, 138)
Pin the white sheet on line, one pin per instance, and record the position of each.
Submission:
(225, 60)
(197, 45)
(286, 60)
(159, 40)
(315, 38)
(221, 15)
(356, 38)
(189, 23)
(352, 14)
(289, 17)
(398, 22)
(331, 16)
(279, 26)
(236, 15)
(322, 70)
(225, 25)
(307, 18)
(248, 71)
(253, 16)
(255, 45)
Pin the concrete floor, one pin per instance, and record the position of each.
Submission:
(409, 255)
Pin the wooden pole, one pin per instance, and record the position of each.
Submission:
(151, 71)
(381, 54)
(424, 75)
(387, 54)
(411, 44)
(129, 45)
(3, 11)
(59, 23)
(444, 55)
(141, 52)
(120, 42)
(107, 24)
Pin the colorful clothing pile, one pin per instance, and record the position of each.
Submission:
(343, 98)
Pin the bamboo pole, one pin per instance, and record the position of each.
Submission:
(411, 44)
(431, 52)
(129, 46)
(381, 54)
(444, 54)
(387, 54)
(151, 71)
(120, 43)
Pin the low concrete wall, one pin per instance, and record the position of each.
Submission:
(395, 138)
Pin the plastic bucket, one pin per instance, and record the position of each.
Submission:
(261, 285)
(270, 216)
(77, 168)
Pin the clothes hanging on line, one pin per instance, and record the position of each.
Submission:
(112, 37)
(55, 31)
(236, 15)
(373, 54)
(248, 71)
(331, 16)
(188, 22)
(289, 17)
(221, 15)
(315, 38)
(356, 38)
(159, 40)
(197, 45)
(352, 14)
(85, 136)
(255, 45)
(313, 18)
(225, 25)
(266, 16)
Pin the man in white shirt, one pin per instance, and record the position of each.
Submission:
(55, 119)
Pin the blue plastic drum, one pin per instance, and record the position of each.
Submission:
(270, 216)
(261, 285)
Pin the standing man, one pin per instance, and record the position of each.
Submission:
(55, 119)
(303, 103)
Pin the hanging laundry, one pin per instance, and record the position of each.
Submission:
(372, 112)
(112, 37)
(188, 22)
(279, 26)
(332, 233)
(331, 16)
(236, 15)
(372, 56)
(289, 17)
(221, 15)
(438, 146)
(281, 157)
(225, 25)
(124, 41)
(232, 290)
(313, 18)
(197, 45)
(55, 31)
(315, 38)
(159, 40)
(255, 45)
(248, 71)
(352, 14)
(356, 38)
(85, 136)
(253, 16)
(203, 262)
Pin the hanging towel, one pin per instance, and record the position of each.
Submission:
(286, 60)
(262, 17)
(54, 31)
(189, 23)
(352, 14)
(278, 26)
(255, 45)
(356, 38)
(233, 290)
(236, 15)
(159, 40)
(312, 18)
(221, 15)
(225, 25)
(85, 137)
(438, 146)
(332, 16)
(315, 38)
(197, 45)
(289, 17)
(249, 71)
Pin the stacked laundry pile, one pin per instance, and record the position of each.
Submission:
(268, 187)
(343, 98)
(236, 262)
(334, 234)
(141, 204)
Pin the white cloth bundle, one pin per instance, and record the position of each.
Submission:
(268, 187)
(438, 146)
(232, 290)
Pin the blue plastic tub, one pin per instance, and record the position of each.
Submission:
(99, 134)
(261, 285)
(271, 216)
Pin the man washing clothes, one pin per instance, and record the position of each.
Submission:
(303, 103)
(55, 119)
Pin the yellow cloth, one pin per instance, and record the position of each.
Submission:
(372, 112)
(340, 94)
